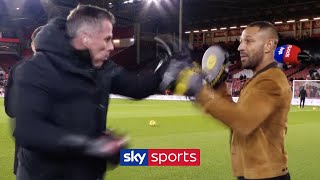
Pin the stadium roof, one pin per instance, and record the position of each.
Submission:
(196, 13)
(237, 12)
(216, 13)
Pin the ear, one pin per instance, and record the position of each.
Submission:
(85, 41)
(84, 37)
(269, 46)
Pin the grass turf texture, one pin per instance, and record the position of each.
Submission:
(181, 125)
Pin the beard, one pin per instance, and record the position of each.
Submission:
(253, 60)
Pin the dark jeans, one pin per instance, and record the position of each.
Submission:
(284, 177)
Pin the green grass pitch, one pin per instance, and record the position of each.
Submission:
(182, 125)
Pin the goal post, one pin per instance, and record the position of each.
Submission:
(312, 88)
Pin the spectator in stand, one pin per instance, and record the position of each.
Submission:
(310, 72)
(308, 77)
(313, 92)
(241, 77)
(168, 92)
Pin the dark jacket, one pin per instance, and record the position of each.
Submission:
(303, 93)
(60, 94)
(8, 93)
(9, 105)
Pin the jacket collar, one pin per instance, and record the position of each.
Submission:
(269, 66)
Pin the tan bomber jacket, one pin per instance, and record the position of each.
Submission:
(258, 121)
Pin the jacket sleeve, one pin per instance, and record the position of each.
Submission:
(34, 128)
(134, 85)
(245, 116)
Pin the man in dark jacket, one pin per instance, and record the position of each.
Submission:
(302, 95)
(63, 94)
(9, 97)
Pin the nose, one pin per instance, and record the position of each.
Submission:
(240, 47)
(110, 47)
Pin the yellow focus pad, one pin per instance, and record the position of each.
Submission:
(211, 62)
(183, 80)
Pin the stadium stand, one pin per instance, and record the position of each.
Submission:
(7, 61)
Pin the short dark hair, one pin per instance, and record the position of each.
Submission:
(35, 32)
(265, 25)
(86, 15)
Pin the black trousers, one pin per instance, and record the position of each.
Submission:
(24, 174)
(15, 164)
(284, 177)
(302, 100)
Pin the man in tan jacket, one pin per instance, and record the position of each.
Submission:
(259, 119)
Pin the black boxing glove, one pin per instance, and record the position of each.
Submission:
(174, 62)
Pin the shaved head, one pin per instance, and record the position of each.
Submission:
(268, 30)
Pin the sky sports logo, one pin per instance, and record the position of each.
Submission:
(160, 157)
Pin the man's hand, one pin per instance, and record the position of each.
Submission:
(106, 146)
